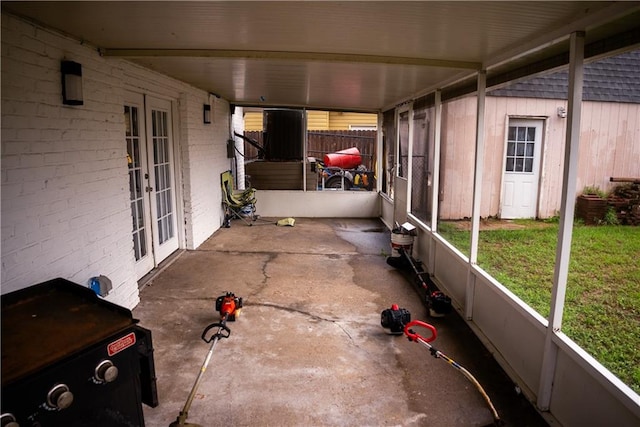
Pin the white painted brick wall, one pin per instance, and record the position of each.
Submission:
(65, 183)
(204, 159)
(201, 151)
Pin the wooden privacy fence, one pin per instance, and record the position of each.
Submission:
(325, 142)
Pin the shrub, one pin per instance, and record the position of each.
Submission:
(594, 191)
(611, 217)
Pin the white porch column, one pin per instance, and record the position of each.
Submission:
(477, 193)
(379, 152)
(236, 123)
(435, 179)
(576, 60)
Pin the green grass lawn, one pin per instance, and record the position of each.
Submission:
(602, 306)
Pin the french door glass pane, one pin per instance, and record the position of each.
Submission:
(132, 140)
(162, 169)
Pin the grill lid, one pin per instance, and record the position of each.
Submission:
(48, 322)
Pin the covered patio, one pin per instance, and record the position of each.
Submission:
(127, 177)
(308, 348)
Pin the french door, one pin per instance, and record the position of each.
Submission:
(149, 139)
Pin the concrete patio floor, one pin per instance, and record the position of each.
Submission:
(308, 348)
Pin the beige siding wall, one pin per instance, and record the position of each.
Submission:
(609, 146)
(253, 121)
(497, 113)
(342, 121)
(319, 120)
(458, 140)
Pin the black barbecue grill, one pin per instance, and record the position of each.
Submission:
(70, 358)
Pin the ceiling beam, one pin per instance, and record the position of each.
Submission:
(285, 55)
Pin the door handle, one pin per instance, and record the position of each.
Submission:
(148, 189)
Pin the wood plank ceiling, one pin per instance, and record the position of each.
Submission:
(361, 56)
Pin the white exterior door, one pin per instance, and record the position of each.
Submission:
(521, 169)
(151, 181)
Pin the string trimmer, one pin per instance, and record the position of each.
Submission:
(395, 319)
(437, 302)
(228, 306)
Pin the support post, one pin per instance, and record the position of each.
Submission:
(435, 178)
(563, 250)
(379, 165)
(305, 150)
(477, 193)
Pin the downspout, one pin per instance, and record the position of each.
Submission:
(567, 207)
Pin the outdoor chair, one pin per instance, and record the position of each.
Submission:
(238, 204)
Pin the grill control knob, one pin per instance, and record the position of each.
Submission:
(106, 372)
(8, 420)
(59, 397)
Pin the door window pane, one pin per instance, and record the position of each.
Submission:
(162, 169)
(509, 167)
(132, 141)
(528, 165)
(520, 152)
(529, 152)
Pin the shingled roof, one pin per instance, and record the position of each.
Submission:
(613, 79)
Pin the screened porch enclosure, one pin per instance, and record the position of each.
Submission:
(77, 200)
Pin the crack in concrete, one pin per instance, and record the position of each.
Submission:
(271, 256)
(265, 277)
(306, 313)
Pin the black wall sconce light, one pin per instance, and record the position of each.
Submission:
(71, 83)
(206, 114)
